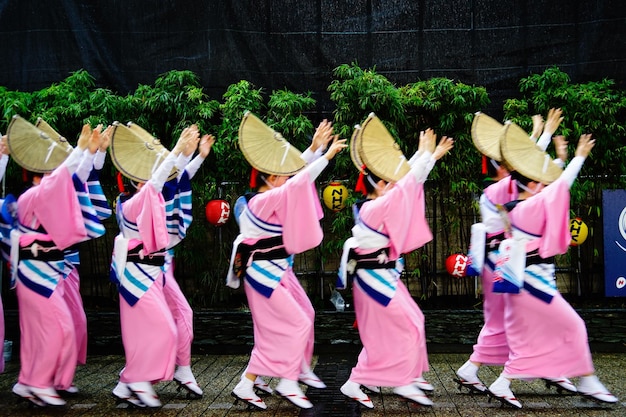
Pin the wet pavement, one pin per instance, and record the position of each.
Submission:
(217, 374)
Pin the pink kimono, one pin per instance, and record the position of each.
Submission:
(148, 328)
(282, 313)
(50, 220)
(492, 348)
(547, 338)
(391, 325)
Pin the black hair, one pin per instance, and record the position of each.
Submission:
(369, 181)
(520, 179)
(492, 170)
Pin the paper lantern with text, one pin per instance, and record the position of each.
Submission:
(579, 231)
(456, 264)
(335, 195)
(217, 212)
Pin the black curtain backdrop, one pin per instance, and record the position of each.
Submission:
(282, 44)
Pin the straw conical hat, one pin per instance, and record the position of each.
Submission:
(354, 148)
(486, 135)
(525, 157)
(135, 154)
(146, 136)
(379, 151)
(32, 148)
(41, 124)
(267, 150)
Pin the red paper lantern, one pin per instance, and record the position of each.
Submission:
(456, 264)
(217, 212)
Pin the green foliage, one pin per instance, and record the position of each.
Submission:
(176, 99)
(593, 107)
(238, 99)
(285, 115)
(446, 106)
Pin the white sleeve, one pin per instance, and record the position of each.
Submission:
(4, 160)
(415, 157)
(193, 167)
(422, 166)
(85, 166)
(159, 178)
(72, 161)
(544, 140)
(98, 161)
(309, 156)
(182, 161)
(316, 167)
(570, 173)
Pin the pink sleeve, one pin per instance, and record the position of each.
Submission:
(556, 237)
(296, 207)
(502, 191)
(403, 214)
(55, 205)
(147, 209)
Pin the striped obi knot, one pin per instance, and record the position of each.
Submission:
(41, 251)
(264, 249)
(374, 260)
(136, 255)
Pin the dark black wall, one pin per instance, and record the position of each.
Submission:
(295, 44)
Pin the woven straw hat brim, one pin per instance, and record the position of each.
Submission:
(32, 148)
(524, 156)
(486, 135)
(354, 148)
(266, 150)
(379, 151)
(134, 156)
(54, 135)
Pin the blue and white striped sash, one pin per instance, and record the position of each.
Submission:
(91, 220)
(265, 275)
(97, 196)
(178, 207)
(41, 277)
(136, 280)
(380, 284)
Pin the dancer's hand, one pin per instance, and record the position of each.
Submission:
(585, 144)
(335, 147)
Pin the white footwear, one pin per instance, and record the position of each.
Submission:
(291, 390)
(145, 393)
(353, 391)
(48, 395)
(412, 393)
(423, 384)
(501, 391)
(591, 387)
(372, 388)
(123, 394)
(185, 379)
(561, 384)
(24, 392)
(72, 389)
(310, 379)
(244, 391)
(260, 384)
(468, 378)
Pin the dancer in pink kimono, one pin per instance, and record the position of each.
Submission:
(178, 208)
(492, 348)
(282, 219)
(390, 222)
(94, 209)
(5, 230)
(546, 336)
(148, 329)
(50, 221)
